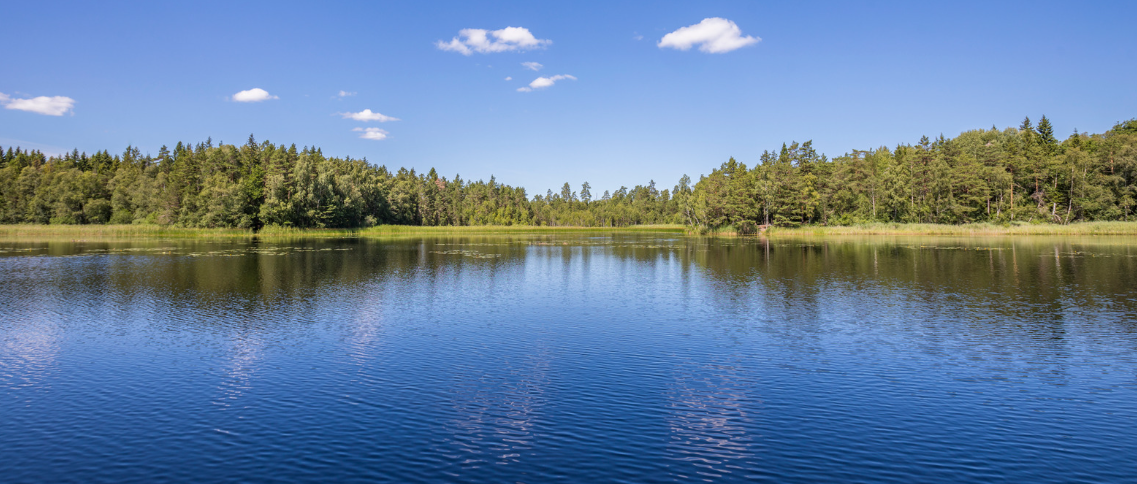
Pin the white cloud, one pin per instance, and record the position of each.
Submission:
(455, 45)
(346, 94)
(543, 82)
(504, 40)
(367, 115)
(533, 66)
(712, 35)
(50, 106)
(372, 133)
(508, 78)
(254, 95)
(638, 37)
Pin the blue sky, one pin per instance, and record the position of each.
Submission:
(846, 75)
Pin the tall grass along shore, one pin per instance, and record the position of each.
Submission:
(976, 229)
(157, 231)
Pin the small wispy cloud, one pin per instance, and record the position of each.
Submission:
(375, 134)
(368, 115)
(484, 41)
(533, 66)
(713, 35)
(254, 95)
(46, 105)
(508, 78)
(346, 93)
(544, 82)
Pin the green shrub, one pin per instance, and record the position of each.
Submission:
(97, 211)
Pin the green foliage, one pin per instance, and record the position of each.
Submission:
(262, 184)
(1127, 127)
(982, 176)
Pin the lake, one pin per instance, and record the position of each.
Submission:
(614, 358)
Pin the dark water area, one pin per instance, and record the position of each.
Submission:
(569, 359)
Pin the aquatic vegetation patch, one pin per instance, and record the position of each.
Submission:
(467, 253)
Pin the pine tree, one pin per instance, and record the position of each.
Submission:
(1046, 136)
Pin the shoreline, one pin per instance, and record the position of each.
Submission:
(16, 231)
(934, 230)
(966, 230)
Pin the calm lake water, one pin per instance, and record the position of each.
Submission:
(569, 358)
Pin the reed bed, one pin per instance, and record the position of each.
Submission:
(399, 230)
(114, 231)
(158, 231)
(979, 229)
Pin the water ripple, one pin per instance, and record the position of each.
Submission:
(573, 359)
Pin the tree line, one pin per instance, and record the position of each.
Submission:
(1000, 176)
(1016, 174)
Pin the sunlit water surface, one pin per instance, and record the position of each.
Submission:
(575, 359)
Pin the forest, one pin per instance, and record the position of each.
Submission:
(1023, 174)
